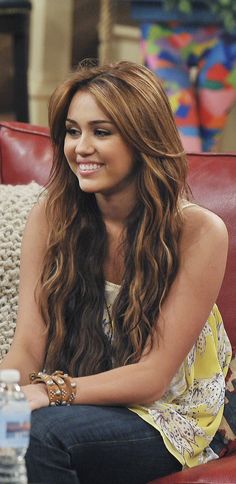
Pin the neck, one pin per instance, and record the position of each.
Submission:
(115, 208)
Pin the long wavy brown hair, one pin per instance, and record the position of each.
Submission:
(72, 292)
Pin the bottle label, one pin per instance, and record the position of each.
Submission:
(14, 424)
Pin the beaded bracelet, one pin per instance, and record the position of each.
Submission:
(61, 390)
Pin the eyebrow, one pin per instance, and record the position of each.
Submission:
(96, 121)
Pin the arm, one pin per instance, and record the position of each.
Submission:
(203, 251)
(27, 350)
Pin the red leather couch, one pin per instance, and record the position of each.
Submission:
(25, 155)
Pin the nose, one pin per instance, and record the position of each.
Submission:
(84, 145)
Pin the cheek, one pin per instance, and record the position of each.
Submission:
(69, 148)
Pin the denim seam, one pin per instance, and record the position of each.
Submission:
(116, 442)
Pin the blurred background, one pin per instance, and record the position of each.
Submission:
(58, 34)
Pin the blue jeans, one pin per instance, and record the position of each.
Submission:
(86, 444)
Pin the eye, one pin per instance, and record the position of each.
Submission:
(72, 131)
(101, 133)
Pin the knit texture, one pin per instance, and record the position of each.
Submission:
(15, 204)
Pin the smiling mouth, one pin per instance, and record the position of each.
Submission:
(89, 166)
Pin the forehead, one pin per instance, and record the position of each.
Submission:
(84, 105)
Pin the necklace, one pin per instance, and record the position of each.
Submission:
(108, 307)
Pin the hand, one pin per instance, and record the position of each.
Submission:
(36, 395)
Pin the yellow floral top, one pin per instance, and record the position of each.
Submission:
(190, 412)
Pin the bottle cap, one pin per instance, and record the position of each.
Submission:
(9, 376)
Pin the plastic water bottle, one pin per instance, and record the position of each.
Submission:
(14, 429)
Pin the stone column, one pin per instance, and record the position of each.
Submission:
(50, 53)
(105, 31)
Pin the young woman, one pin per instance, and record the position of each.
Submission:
(119, 277)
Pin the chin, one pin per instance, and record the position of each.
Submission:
(87, 187)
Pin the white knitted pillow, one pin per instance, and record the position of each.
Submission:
(15, 203)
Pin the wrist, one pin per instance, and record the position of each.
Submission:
(60, 387)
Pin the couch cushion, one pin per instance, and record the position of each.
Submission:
(224, 442)
(15, 203)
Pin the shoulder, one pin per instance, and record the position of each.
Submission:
(37, 226)
(38, 212)
(203, 230)
(199, 220)
(34, 245)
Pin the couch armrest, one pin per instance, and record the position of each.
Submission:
(220, 471)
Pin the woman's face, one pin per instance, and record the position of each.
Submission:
(96, 152)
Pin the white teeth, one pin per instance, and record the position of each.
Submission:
(88, 166)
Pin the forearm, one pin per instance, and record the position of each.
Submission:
(22, 361)
(129, 385)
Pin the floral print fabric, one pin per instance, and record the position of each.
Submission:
(190, 412)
